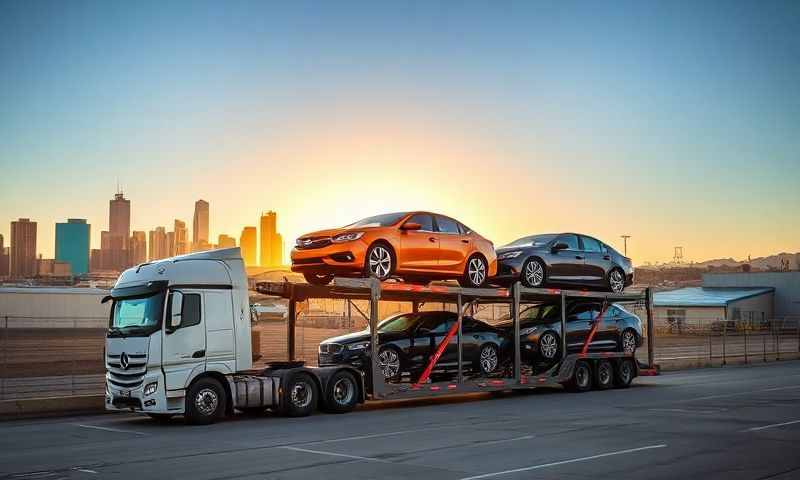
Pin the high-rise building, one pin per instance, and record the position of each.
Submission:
(277, 250)
(23, 249)
(158, 244)
(137, 250)
(72, 244)
(200, 224)
(3, 258)
(181, 238)
(271, 241)
(119, 218)
(225, 241)
(248, 243)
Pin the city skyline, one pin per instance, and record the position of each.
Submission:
(526, 119)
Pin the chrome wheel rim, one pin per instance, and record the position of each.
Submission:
(604, 373)
(476, 271)
(548, 345)
(582, 375)
(534, 273)
(625, 372)
(628, 342)
(389, 363)
(301, 394)
(206, 401)
(343, 391)
(617, 282)
(380, 262)
(488, 359)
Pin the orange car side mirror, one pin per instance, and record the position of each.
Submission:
(411, 226)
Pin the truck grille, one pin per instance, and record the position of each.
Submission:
(130, 377)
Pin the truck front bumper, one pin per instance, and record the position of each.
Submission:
(149, 397)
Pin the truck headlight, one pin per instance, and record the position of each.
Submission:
(347, 237)
(508, 255)
(150, 388)
(359, 346)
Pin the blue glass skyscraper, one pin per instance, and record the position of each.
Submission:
(72, 244)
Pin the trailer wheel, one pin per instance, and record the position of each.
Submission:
(299, 396)
(604, 375)
(623, 374)
(205, 402)
(581, 380)
(342, 394)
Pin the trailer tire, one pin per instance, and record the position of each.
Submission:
(581, 380)
(205, 402)
(342, 395)
(299, 395)
(604, 375)
(623, 374)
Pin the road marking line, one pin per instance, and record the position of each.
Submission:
(505, 440)
(755, 429)
(563, 462)
(333, 454)
(387, 434)
(686, 410)
(108, 429)
(725, 395)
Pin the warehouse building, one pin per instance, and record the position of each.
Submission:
(696, 307)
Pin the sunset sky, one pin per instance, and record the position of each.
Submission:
(675, 122)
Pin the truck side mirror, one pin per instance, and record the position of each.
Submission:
(176, 307)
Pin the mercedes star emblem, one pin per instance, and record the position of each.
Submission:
(123, 361)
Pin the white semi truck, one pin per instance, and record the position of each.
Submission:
(179, 343)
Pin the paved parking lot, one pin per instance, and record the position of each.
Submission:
(732, 423)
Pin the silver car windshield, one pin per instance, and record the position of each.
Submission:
(533, 241)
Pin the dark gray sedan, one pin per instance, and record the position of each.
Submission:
(563, 259)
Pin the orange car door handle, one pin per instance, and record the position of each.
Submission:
(432, 239)
(464, 241)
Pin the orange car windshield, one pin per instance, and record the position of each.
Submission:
(384, 220)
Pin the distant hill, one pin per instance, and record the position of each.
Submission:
(772, 262)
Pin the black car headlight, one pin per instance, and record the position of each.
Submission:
(509, 255)
(358, 346)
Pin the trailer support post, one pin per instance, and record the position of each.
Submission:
(563, 326)
(517, 354)
(290, 324)
(460, 323)
(378, 383)
(651, 337)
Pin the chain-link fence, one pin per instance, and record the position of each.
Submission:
(63, 356)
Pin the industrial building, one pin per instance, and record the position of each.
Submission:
(704, 306)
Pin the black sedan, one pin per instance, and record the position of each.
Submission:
(568, 259)
(540, 330)
(408, 340)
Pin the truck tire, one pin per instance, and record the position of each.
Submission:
(299, 395)
(205, 402)
(581, 380)
(623, 374)
(342, 395)
(604, 375)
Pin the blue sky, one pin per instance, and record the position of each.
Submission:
(675, 122)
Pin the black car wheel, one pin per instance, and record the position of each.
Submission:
(627, 341)
(616, 281)
(342, 396)
(299, 396)
(548, 346)
(623, 374)
(533, 273)
(389, 363)
(380, 261)
(475, 273)
(318, 279)
(489, 359)
(604, 376)
(205, 402)
(581, 380)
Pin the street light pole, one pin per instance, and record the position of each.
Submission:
(625, 239)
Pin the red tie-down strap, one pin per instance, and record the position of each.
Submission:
(439, 350)
(595, 326)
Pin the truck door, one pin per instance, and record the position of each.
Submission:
(184, 347)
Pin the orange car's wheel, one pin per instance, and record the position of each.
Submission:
(380, 262)
(475, 272)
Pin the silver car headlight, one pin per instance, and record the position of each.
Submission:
(509, 255)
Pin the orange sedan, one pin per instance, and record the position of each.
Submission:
(417, 246)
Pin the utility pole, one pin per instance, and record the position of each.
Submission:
(625, 239)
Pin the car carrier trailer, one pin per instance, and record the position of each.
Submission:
(179, 343)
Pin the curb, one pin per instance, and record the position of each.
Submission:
(51, 406)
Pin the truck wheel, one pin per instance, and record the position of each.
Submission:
(604, 375)
(342, 395)
(581, 380)
(623, 374)
(205, 402)
(299, 396)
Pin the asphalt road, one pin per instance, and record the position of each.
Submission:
(731, 423)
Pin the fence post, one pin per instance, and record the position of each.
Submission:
(710, 348)
(724, 342)
(745, 344)
(5, 360)
(764, 343)
(778, 343)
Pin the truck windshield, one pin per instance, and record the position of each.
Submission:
(137, 315)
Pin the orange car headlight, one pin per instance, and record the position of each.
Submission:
(347, 237)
